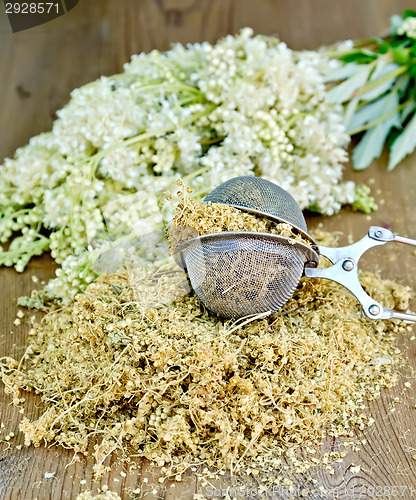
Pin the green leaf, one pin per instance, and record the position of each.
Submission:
(344, 91)
(400, 43)
(410, 106)
(382, 69)
(380, 72)
(342, 73)
(368, 113)
(350, 110)
(412, 91)
(402, 82)
(412, 70)
(404, 144)
(393, 135)
(372, 142)
(409, 13)
(370, 146)
(359, 56)
(384, 48)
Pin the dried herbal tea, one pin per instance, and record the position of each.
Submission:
(105, 495)
(125, 368)
(194, 218)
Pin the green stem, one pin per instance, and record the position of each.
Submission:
(202, 192)
(368, 43)
(215, 140)
(293, 119)
(194, 174)
(362, 43)
(147, 135)
(374, 84)
(14, 215)
(18, 251)
(164, 64)
(158, 83)
(336, 54)
(189, 100)
(379, 120)
(168, 86)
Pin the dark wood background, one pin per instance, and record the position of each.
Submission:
(38, 69)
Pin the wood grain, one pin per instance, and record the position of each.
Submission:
(40, 67)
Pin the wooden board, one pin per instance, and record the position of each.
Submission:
(38, 69)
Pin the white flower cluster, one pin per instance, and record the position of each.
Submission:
(408, 27)
(245, 106)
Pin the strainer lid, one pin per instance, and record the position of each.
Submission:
(262, 197)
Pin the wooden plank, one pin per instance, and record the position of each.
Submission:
(41, 66)
(386, 459)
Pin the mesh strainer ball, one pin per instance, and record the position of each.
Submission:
(262, 197)
(242, 273)
(236, 274)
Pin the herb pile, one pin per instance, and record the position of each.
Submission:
(377, 85)
(136, 364)
(247, 105)
(105, 495)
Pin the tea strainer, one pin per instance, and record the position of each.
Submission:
(238, 273)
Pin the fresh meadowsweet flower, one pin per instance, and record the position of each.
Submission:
(246, 106)
(408, 27)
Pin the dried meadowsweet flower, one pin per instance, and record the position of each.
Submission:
(104, 495)
(193, 218)
(167, 380)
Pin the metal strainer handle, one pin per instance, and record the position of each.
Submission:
(345, 271)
